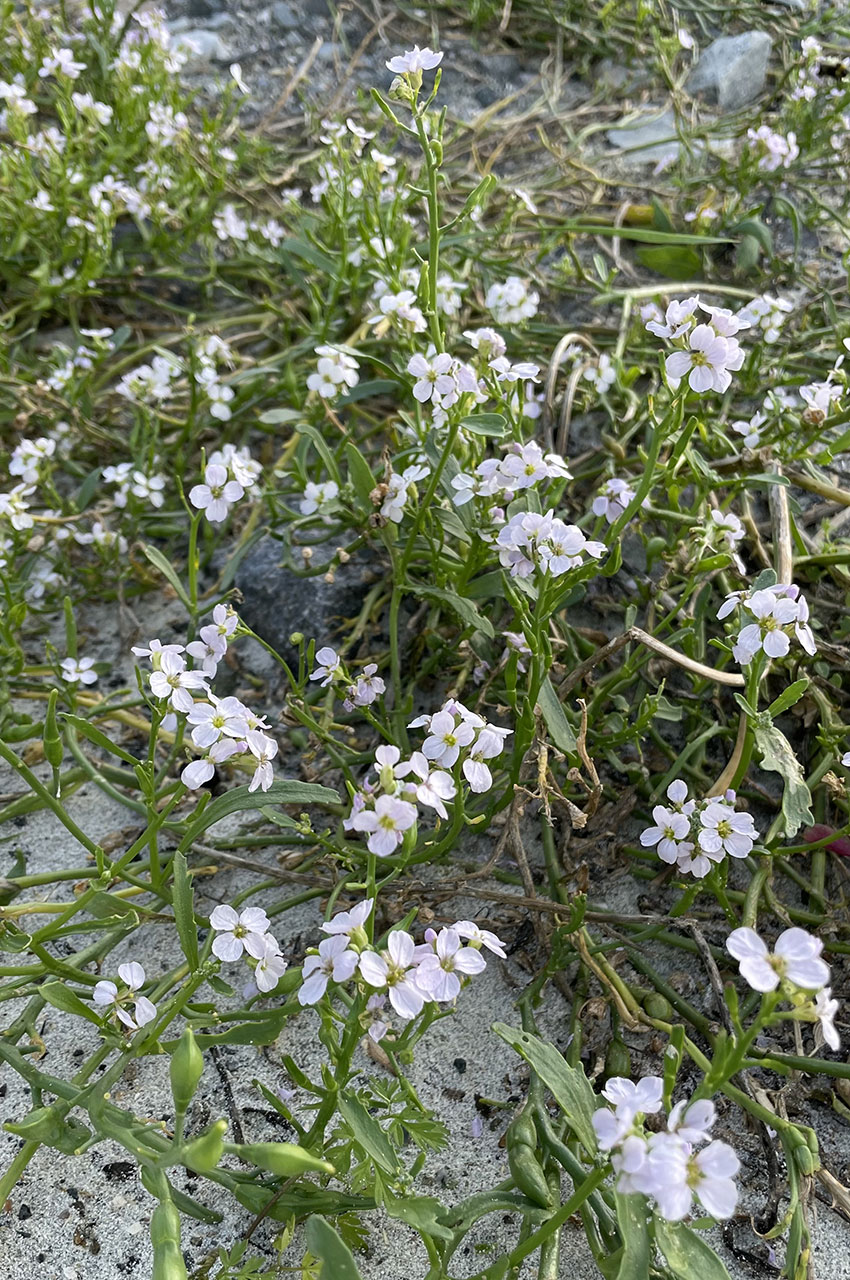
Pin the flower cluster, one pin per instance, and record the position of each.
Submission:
(221, 727)
(530, 540)
(336, 373)
(247, 932)
(774, 150)
(441, 378)
(522, 466)
(512, 302)
(229, 472)
(458, 740)
(410, 976)
(665, 1165)
(130, 481)
(360, 691)
(767, 313)
(795, 969)
(612, 499)
(394, 493)
(708, 353)
(695, 834)
(778, 612)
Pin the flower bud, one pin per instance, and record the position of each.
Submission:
(52, 740)
(203, 1153)
(187, 1065)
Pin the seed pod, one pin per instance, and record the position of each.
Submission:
(618, 1060)
(526, 1170)
(285, 1159)
(187, 1065)
(52, 740)
(168, 1261)
(658, 1006)
(204, 1152)
(805, 1160)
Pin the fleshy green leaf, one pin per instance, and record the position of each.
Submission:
(688, 1256)
(671, 262)
(464, 608)
(569, 1085)
(555, 719)
(788, 697)
(485, 424)
(334, 1254)
(240, 798)
(62, 997)
(778, 756)
(368, 1133)
(91, 731)
(168, 572)
(360, 474)
(421, 1212)
(184, 915)
(634, 1230)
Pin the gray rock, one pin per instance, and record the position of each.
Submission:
(733, 70)
(277, 602)
(647, 138)
(285, 15)
(202, 46)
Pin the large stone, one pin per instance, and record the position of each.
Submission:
(285, 15)
(648, 138)
(202, 46)
(276, 602)
(732, 71)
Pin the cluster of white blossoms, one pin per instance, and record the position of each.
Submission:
(779, 613)
(708, 353)
(397, 490)
(767, 313)
(410, 976)
(695, 835)
(229, 472)
(247, 933)
(360, 690)
(512, 302)
(521, 467)
(319, 499)
(30, 458)
(612, 499)
(131, 481)
(532, 541)
(336, 373)
(600, 373)
(774, 150)
(151, 382)
(795, 968)
(458, 743)
(221, 727)
(442, 379)
(666, 1165)
(117, 999)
